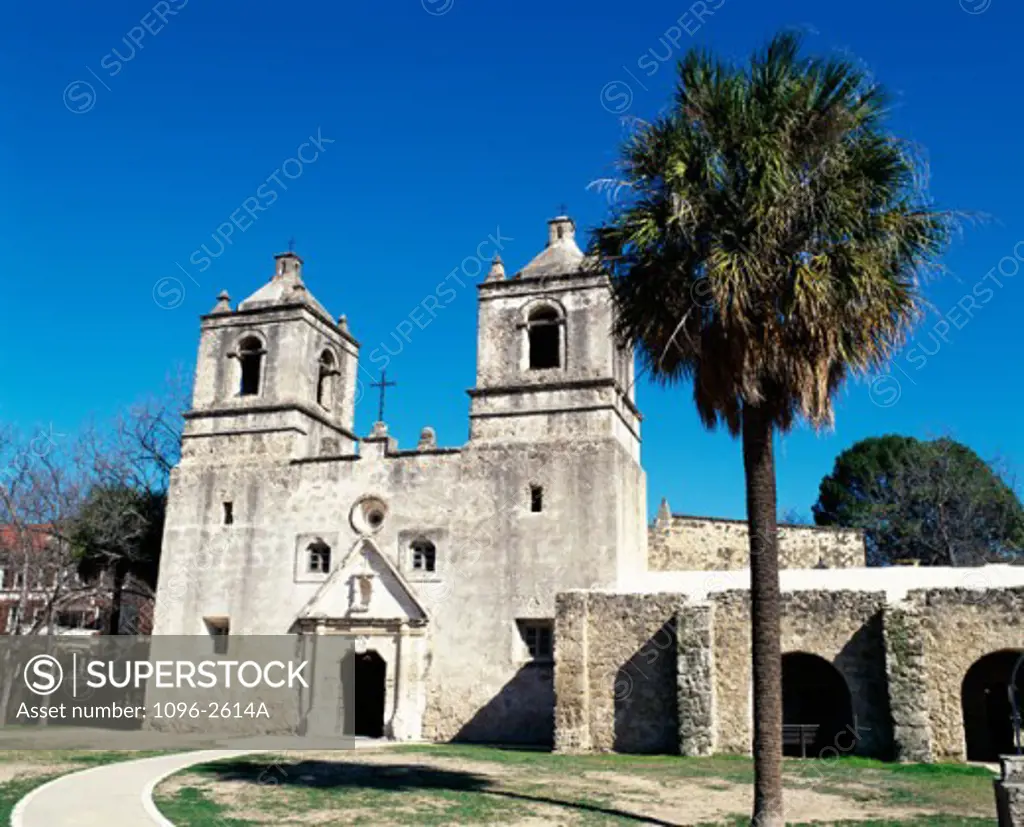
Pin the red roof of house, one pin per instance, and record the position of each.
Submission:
(13, 537)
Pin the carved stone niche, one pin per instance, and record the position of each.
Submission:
(360, 592)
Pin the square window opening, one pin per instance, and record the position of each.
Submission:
(220, 631)
(538, 635)
(536, 499)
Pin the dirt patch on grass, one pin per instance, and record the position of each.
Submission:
(384, 787)
(236, 797)
(695, 801)
(16, 770)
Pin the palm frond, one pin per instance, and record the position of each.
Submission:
(774, 238)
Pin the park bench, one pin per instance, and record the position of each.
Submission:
(800, 735)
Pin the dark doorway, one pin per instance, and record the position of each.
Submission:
(369, 678)
(817, 713)
(988, 713)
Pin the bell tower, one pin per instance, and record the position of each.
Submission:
(548, 365)
(275, 376)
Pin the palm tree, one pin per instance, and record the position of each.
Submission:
(774, 242)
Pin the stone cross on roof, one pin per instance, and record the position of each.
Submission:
(383, 384)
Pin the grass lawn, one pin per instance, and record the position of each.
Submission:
(455, 784)
(21, 771)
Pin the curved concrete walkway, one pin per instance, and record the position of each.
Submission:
(120, 794)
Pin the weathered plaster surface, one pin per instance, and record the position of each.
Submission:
(294, 473)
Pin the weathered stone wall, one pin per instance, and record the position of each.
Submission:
(620, 651)
(908, 682)
(631, 666)
(959, 627)
(844, 628)
(705, 544)
(496, 560)
(652, 672)
(572, 672)
(1009, 789)
(696, 679)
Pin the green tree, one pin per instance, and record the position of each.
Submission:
(117, 535)
(773, 242)
(118, 529)
(937, 502)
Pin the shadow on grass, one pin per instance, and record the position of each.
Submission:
(394, 778)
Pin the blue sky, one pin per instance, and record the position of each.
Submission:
(440, 124)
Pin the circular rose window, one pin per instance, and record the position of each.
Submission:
(368, 515)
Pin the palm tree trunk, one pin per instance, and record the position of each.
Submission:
(765, 610)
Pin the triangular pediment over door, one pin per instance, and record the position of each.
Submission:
(364, 589)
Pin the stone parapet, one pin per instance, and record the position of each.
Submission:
(682, 543)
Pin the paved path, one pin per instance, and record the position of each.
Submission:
(115, 794)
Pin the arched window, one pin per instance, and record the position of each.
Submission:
(544, 338)
(326, 371)
(250, 357)
(318, 557)
(424, 555)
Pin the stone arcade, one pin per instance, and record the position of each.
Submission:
(510, 590)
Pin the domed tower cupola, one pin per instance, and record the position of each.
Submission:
(561, 230)
(289, 265)
(561, 256)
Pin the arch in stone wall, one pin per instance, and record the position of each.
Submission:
(817, 708)
(843, 628)
(959, 627)
(987, 710)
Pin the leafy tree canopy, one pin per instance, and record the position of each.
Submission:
(119, 529)
(933, 501)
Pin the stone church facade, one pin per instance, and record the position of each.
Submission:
(510, 589)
